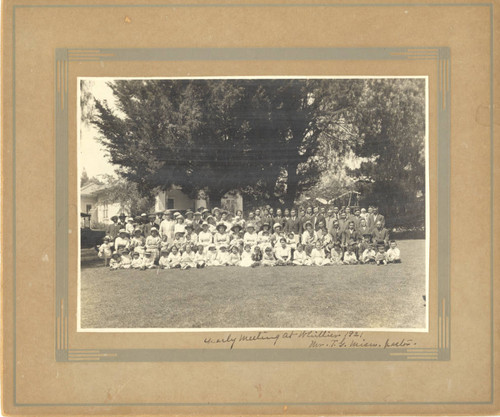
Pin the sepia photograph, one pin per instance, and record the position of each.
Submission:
(253, 203)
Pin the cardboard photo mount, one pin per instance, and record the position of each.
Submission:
(50, 368)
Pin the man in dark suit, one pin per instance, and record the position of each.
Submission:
(380, 234)
(293, 224)
(350, 235)
(374, 218)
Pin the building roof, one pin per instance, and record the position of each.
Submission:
(92, 189)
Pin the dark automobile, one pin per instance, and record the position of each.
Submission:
(89, 237)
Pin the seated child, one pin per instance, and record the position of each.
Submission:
(105, 250)
(291, 241)
(234, 257)
(163, 262)
(136, 260)
(256, 256)
(116, 261)
(164, 243)
(283, 253)
(137, 242)
(264, 238)
(148, 261)
(179, 241)
(336, 254)
(393, 253)
(187, 258)
(364, 244)
(268, 258)
(381, 256)
(368, 255)
(174, 257)
(200, 258)
(223, 257)
(300, 256)
(246, 256)
(126, 261)
(318, 257)
(350, 256)
(212, 256)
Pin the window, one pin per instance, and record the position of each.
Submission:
(105, 212)
(88, 208)
(170, 203)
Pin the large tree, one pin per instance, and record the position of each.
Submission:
(391, 120)
(258, 136)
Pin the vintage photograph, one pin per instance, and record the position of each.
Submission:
(253, 203)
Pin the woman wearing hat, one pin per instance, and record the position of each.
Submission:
(251, 237)
(221, 237)
(113, 229)
(277, 234)
(137, 242)
(153, 242)
(122, 241)
(190, 236)
(212, 224)
(205, 237)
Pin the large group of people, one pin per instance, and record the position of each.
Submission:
(316, 236)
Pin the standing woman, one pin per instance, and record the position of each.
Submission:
(153, 242)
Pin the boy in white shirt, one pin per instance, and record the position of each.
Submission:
(381, 256)
(393, 253)
(200, 257)
(336, 254)
(105, 250)
(368, 255)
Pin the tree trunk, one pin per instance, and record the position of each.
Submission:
(214, 198)
(292, 184)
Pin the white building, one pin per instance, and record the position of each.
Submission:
(175, 199)
(91, 202)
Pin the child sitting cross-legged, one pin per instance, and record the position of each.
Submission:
(136, 260)
(116, 261)
(350, 255)
(381, 256)
(234, 257)
(187, 258)
(246, 256)
(300, 256)
(335, 254)
(268, 258)
(368, 255)
(148, 261)
(200, 257)
(212, 256)
(256, 256)
(223, 257)
(163, 262)
(174, 257)
(393, 253)
(126, 261)
(318, 256)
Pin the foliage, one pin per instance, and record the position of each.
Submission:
(258, 136)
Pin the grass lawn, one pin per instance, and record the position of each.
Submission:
(357, 296)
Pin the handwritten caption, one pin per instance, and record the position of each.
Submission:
(314, 338)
